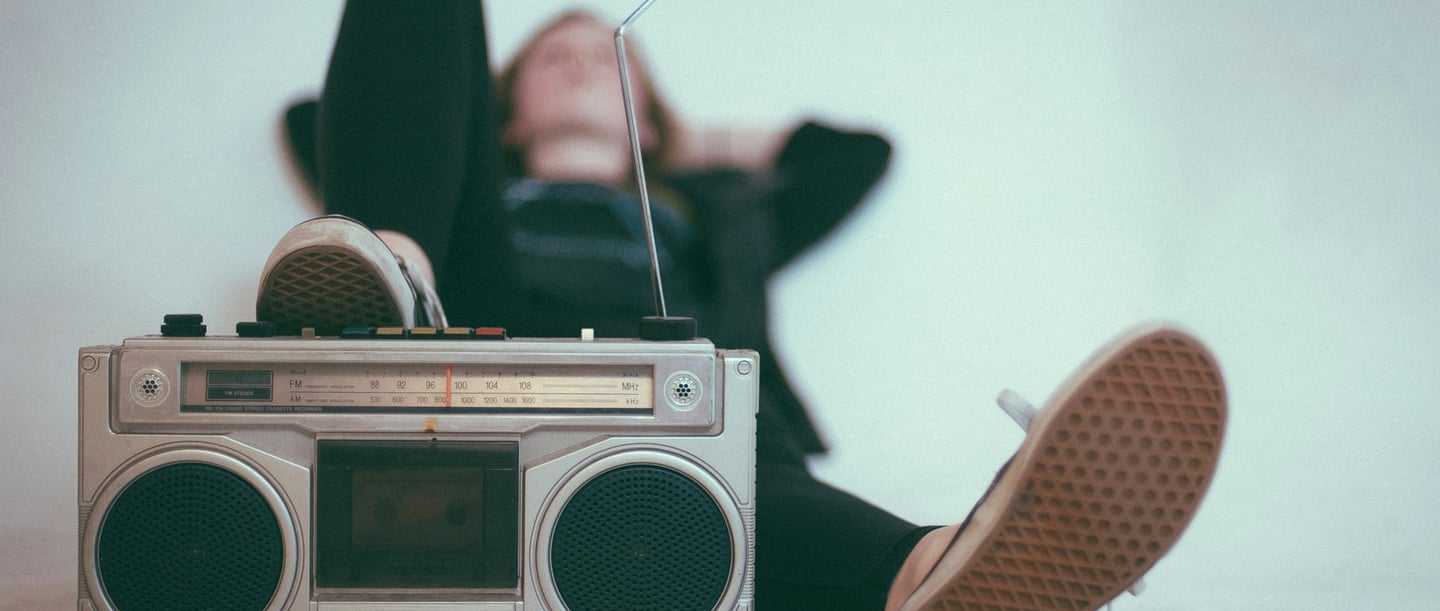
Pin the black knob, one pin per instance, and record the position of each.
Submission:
(183, 325)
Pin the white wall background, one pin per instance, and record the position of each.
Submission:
(1267, 174)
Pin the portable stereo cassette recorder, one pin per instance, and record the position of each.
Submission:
(422, 469)
(329, 473)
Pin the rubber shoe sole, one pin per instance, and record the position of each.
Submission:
(1111, 473)
(330, 273)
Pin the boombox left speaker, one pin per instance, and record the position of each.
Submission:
(194, 526)
(326, 474)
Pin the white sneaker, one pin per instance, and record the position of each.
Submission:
(1111, 472)
(332, 272)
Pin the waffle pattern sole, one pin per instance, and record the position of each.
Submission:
(327, 288)
(1111, 474)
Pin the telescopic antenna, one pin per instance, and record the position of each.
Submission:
(661, 326)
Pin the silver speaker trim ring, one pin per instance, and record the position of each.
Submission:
(691, 397)
(626, 456)
(165, 455)
(160, 393)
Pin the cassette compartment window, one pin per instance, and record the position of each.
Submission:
(416, 515)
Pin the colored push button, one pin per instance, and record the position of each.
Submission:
(255, 329)
(424, 333)
(357, 332)
(457, 333)
(183, 325)
(490, 333)
(390, 332)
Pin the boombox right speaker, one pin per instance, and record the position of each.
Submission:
(645, 528)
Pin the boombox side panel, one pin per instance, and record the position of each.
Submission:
(113, 469)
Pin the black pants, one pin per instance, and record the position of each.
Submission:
(407, 141)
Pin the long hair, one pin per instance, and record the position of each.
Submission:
(653, 107)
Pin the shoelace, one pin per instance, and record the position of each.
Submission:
(1022, 412)
(427, 301)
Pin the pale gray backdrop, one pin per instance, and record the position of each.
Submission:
(1263, 173)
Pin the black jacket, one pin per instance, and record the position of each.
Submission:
(404, 139)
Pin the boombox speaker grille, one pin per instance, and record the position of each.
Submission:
(641, 537)
(189, 536)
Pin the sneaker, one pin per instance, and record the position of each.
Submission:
(1111, 472)
(332, 272)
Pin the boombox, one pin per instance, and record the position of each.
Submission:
(420, 469)
(319, 473)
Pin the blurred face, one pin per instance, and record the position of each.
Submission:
(569, 84)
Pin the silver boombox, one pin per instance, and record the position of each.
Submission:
(329, 473)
